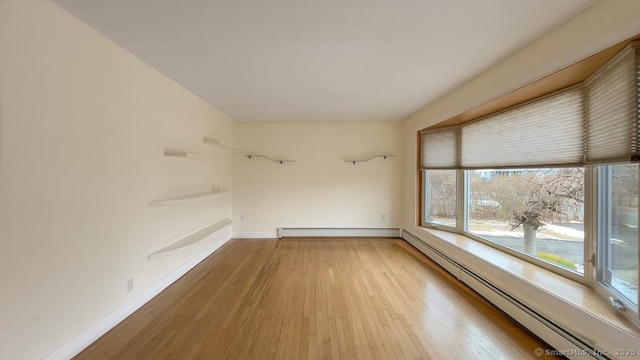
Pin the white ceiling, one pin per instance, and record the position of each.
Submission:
(322, 60)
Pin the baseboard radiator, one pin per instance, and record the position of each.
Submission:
(337, 232)
(546, 329)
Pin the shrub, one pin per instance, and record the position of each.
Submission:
(558, 260)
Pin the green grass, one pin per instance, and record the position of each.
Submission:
(558, 260)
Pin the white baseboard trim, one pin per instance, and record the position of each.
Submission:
(74, 346)
(338, 232)
(256, 235)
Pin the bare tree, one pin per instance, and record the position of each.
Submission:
(553, 194)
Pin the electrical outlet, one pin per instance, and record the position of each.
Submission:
(383, 217)
(241, 217)
(130, 285)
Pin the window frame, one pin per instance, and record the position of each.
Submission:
(585, 278)
(424, 205)
(463, 220)
(593, 239)
(602, 190)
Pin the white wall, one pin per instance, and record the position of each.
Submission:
(83, 127)
(319, 189)
(600, 26)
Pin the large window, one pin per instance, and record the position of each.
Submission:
(553, 180)
(618, 268)
(538, 212)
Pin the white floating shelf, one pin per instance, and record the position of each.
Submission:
(193, 237)
(183, 154)
(218, 143)
(371, 158)
(179, 199)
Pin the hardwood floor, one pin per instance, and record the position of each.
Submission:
(316, 299)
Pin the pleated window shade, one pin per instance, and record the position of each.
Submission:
(545, 132)
(611, 111)
(593, 123)
(440, 148)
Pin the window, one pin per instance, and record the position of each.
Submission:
(553, 180)
(537, 212)
(618, 237)
(440, 189)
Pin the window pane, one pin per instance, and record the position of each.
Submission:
(620, 246)
(441, 197)
(539, 212)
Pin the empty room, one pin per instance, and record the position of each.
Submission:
(218, 179)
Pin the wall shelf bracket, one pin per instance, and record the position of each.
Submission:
(281, 161)
(384, 156)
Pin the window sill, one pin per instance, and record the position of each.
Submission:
(573, 306)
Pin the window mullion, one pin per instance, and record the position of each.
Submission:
(461, 206)
(425, 196)
(591, 206)
(638, 252)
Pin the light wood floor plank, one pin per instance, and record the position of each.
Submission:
(316, 299)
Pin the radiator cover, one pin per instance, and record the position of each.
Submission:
(337, 232)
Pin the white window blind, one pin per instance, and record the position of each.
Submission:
(546, 132)
(595, 122)
(440, 148)
(611, 104)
